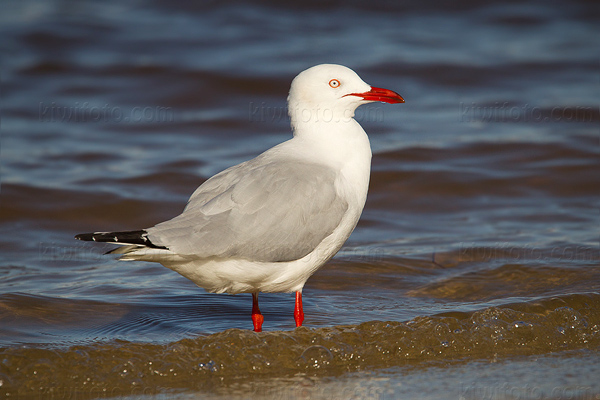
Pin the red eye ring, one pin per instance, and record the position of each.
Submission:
(334, 83)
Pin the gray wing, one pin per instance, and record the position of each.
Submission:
(258, 210)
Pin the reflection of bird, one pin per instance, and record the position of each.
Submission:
(269, 223)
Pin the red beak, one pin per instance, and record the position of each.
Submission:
(379, 94)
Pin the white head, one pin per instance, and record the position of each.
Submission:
(331, 93)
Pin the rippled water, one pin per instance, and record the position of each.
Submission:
(474, 272)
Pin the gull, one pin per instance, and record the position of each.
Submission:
(268, 224)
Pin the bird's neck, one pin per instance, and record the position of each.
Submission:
(342, 144)
(305, 117)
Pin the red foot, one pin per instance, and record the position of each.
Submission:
(298, 312)
(257, 320)
(257, 317)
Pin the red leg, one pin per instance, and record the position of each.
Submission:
(257, 317)
(298, 313)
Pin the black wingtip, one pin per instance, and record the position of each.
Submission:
(88, 237)
(139, 238)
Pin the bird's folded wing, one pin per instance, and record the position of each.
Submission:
(260, 210)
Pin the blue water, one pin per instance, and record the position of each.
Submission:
(484, 186)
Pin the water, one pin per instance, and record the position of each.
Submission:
(474, 272)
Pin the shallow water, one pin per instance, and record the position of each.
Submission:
(473, 273)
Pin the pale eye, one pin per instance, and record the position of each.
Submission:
(334, 83)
